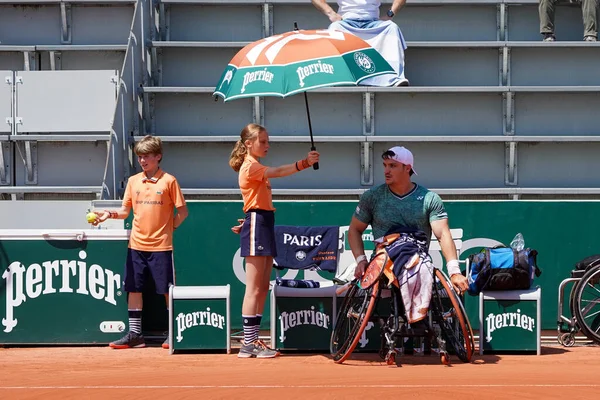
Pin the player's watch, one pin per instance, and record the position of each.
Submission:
(390, 13)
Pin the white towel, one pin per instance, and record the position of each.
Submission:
(416, 285)
(387, 39)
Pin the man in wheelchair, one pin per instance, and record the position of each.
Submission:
(403, 215)
(401, 202)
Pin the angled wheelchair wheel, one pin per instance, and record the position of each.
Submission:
(587, 304)
(448, 312)
(352, 318)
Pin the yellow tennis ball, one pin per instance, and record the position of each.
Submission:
(91, 217)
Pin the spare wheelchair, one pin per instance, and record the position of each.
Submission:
(446, 330)
(584, 303)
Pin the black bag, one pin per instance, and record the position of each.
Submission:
(502, 268)
(588, 262)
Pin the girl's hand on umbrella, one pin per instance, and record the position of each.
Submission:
(313, 157)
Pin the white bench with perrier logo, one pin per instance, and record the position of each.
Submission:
(510, 320)
(199, 318)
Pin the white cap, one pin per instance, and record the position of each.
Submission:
(403, 156)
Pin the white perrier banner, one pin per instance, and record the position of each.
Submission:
(62, 287)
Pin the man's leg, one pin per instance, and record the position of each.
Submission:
(160, 264)
(547, 10)
(589, 9)
(133, 283)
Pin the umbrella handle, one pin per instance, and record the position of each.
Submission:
(315, 165)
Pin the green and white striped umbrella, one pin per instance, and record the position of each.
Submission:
(297, 61)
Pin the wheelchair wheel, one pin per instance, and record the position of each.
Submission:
(352, 318)
(587, 304)
(448, 312)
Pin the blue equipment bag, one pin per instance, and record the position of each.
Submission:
(502, 268)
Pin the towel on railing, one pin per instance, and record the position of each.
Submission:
(307, 247)
(297, 283)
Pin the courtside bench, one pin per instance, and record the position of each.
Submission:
(199, 318)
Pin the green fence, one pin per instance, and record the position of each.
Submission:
(62, 290)
(68, 291)
(207, 252)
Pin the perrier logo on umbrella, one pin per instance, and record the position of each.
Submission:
(296, 61)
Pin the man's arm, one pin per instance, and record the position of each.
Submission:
(441, 230)
(357, 246)
(322, 6)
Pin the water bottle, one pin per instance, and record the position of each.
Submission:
(518, 243)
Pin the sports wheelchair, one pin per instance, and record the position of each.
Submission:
(584, 303)
(447, 323)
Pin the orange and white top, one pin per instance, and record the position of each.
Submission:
(154, 201)
(255, 186)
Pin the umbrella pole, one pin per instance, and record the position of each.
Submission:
(312, 142)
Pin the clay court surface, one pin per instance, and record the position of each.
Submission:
(151, 373)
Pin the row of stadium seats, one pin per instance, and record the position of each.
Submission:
(61, 62)
(490, 105)
(480, 114)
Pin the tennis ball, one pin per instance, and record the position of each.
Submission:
(91, 217)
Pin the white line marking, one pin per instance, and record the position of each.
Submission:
(583, 385)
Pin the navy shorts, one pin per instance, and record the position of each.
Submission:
(257, 237)
(158, 264)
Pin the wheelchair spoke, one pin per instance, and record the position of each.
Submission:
(587, 304)
(351, 321)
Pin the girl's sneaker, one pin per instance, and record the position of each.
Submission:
(257, 349)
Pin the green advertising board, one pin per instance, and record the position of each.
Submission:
(303, 323)
(509, 325)
(65, 287)
(200, 324)
(563, 232)
(62, 287)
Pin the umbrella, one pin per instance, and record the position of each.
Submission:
(297, 61)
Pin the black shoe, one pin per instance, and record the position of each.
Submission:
(549, 37)
(129, 341)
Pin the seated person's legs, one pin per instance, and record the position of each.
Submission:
(547, 10)
(387, 39)
(589, 8)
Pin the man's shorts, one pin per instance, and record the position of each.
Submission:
(159, 264)
(257, 237)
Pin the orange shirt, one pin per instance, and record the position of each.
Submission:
(153, 201)
(255, 187)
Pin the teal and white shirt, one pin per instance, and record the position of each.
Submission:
(383, 209)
